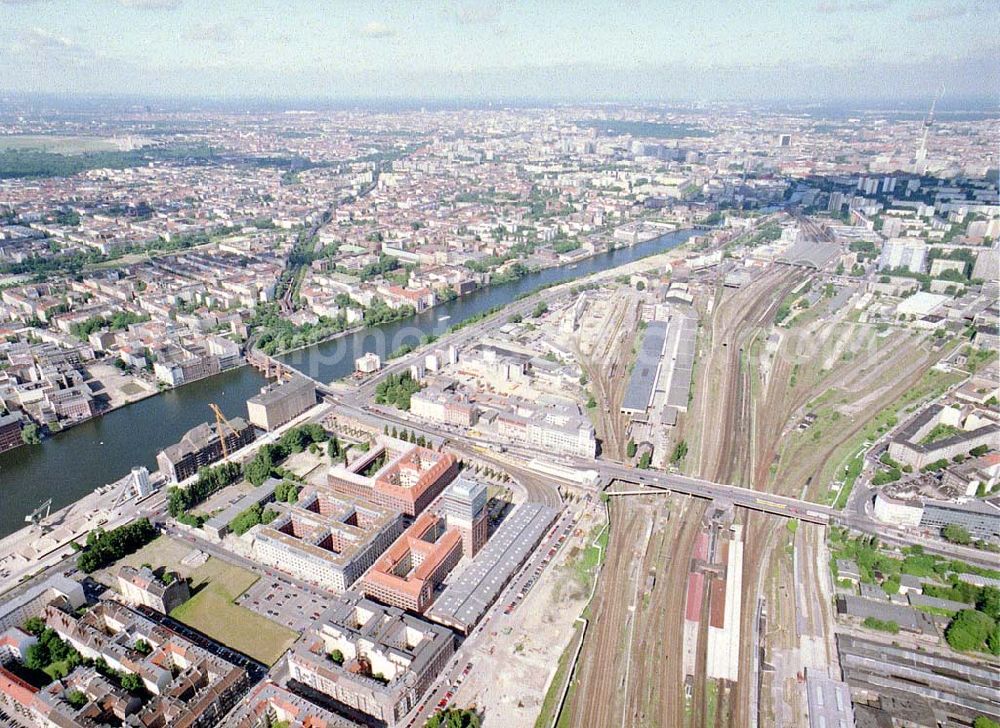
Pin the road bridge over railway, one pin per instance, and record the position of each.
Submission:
(755, 500)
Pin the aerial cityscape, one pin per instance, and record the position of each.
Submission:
(504, 365)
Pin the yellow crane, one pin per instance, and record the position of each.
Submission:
(220, 423)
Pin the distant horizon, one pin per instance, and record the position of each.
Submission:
(919, 104)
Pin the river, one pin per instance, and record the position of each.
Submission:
(71, 464)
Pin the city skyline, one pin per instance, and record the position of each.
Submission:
(498, 51)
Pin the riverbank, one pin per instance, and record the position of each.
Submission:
(569, 262)
(102, 450)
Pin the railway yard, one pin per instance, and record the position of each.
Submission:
(778, 408)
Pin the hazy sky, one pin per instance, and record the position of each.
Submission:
(559, 49)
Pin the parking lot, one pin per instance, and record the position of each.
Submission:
(284, 603)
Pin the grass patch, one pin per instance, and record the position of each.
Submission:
(711, 701)
(854, 468)
(941, 431)
(212, 611)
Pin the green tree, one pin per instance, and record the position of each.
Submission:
(131, 682)
(455, 718)
(679, 453)
(30, 434)
(37, 657)
(34, 625)
(988, 601)
(969, 630)
(956, 534)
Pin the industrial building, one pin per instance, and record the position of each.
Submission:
(395, 474)
(661, 380)
(409, 572)
(902, 686)
(639, 394)
(464, 602)
(201, 446)
(829, 702)
(324, 537)
(724, 619)
(281, 402)
(373, 659)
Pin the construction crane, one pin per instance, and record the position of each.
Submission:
(928, 123)
(220, 423)
(40, 513)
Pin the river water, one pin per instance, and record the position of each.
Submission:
(72, 463)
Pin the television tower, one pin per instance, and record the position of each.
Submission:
(928, 123)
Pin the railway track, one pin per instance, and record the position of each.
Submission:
(599, 683)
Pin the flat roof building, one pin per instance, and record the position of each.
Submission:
(463, 504)
(280, 403)
(919, 687)
(639, 394)
(466, 600)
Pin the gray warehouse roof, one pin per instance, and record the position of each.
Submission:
(640, 386)
(465, 601)
(274, 394)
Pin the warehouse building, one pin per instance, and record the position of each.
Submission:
(467, 598)
(280, 403)
(901, 686)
